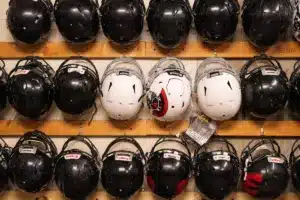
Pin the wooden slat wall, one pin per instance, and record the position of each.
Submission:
(55, 195)
(238, 128)
(146, 49)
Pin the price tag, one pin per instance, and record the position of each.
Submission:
(201, 129)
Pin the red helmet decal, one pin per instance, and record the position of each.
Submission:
(159, 104)
(151, 183)
(181, 186)
(252, 182)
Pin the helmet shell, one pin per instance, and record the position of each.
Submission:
(169, 22)
(29, 21)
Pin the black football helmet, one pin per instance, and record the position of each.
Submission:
(5, 152)
(77, 20)
(77, 171)
(169, 22)
(295, 165)
(123, 170)
(76, 85)
(29, 21)
(122, 20)
(265, 169)
(294, 93)
(31, 163)
(30, 87)
(264, 87)
(3, 86)
(216, 20)
(264, 21)
(168, 169)
(216, 169)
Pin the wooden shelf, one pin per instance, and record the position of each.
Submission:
(145, 128)
(146, 49)
(55, 195)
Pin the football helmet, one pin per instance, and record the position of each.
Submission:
(218, 89)
(122, 21)
(29, 21)
(216, 20)
(123, 170)
(295, 165)
(264, 22)
(264, 87)
(168, 89)
(169, 167)
(296, 21)
(77, 171)
(31, 163)
(265, 169)
(5, 152)
(169, 22)
(76, 85)
(216, 169)
(122, 89)
(77, 20)
(3, 85)
(30, 87)
(294, 93)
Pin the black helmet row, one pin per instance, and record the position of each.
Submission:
(32, 163)
(169, 22)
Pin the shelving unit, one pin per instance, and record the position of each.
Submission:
(146, 49)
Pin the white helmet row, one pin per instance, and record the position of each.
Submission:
(218, 89)
(122, 89)
(169, 89)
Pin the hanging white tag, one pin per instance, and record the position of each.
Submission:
(201, 128)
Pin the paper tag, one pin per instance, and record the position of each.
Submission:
(20, 72)
(270, 72)
(123, 157)
(27, 150)
(172, 155)
(201, 128)
(275, 160)
(73, 156)
(78, 69)
(221, 157)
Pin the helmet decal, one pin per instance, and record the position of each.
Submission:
(251, 183)
(158, 104)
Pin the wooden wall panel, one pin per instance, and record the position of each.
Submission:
(146, 49)
(239, 128)
(55, 195)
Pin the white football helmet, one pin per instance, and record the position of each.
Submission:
(296, 21)
(122, 89)
(218, 89)
(169, 90)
